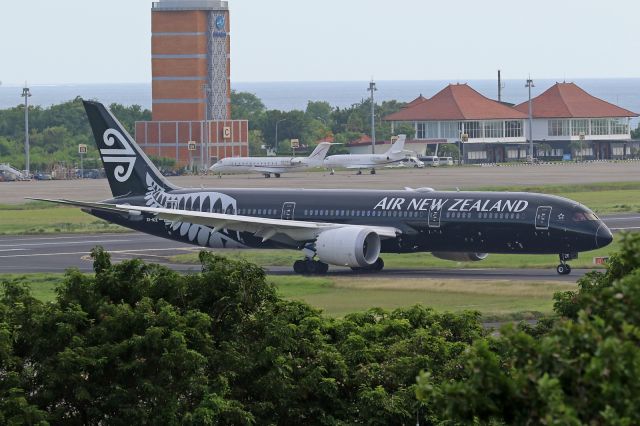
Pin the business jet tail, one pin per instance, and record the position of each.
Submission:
(398, 145)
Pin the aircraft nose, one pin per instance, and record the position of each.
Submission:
(603, 236)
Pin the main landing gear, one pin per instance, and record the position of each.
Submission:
(372, 171)
(310, 267)
(563, 268)
(268, 175)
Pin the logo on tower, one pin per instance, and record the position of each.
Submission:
(220, 22)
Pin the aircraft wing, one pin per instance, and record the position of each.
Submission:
(265, 228)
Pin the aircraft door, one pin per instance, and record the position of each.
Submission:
(288, 210)
(434, 218)
(543, 214)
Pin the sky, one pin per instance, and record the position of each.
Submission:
(91, 41)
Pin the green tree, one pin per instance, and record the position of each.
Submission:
(581, 368)
(247, 106)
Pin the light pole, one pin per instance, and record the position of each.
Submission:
(529, 85)
(372, 88)
(275, 148)
(26, 94)
(205, 144)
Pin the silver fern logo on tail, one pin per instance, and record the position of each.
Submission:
(215, 202)
(124, 155)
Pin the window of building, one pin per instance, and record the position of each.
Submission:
(493, 129)
(450, 129)
(427, 130)
(619, 126)
(600, 126)
(473, 129)
(584, 152)
(513, 128)
(579, 126)
(557, 152)
(477, 155)
(523, 153)
(618, 151)
(512, 153)
(558, 127)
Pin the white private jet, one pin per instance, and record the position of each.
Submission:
(272, 165)
(394, 155)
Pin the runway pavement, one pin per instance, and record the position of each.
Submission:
(57, 252)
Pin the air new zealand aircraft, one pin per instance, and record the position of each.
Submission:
(338, 227)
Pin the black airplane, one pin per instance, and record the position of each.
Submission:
(338, 227)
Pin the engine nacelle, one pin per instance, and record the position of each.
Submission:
(348, 246)
(460, 257)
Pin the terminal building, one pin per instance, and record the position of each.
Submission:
(567, 122)
(191, 85)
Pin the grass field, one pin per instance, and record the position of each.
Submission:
(38, 218)
(496, 300)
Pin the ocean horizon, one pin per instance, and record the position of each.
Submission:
(286, 96)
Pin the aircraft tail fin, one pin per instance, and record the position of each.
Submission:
(318, 154)
(129, 170)
(398, 145)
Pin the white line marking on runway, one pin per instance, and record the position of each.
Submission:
(607, 219)
(67, 237)
(84, 252)
(13, 250)
(622, 229)
(68, 243)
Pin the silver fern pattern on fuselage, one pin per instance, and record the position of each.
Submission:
(204, 236)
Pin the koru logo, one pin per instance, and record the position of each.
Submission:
(118, 155)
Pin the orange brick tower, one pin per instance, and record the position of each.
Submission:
(190, 52)
(191, 93)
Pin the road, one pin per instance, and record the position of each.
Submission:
(56, 253)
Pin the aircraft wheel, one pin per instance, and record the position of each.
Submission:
(322, 268)
(267, 175)
(563, 269)
(373, 171)
(378, 265)
(300, 267)
(359, 172)
(277, 175)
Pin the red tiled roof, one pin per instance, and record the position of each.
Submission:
(329, 138)
(567, 100)
(420, 99)
(456, 102)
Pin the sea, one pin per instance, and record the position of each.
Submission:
(286, 96)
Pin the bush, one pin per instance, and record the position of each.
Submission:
(139, 343)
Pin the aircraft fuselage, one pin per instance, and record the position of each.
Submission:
(487, 222)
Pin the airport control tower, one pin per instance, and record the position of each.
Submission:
(191, 93)
(190, 60)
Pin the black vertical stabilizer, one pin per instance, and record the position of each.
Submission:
(126, 165)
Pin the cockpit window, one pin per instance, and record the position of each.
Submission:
(582, 216)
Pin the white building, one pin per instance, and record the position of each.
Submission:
(497, 132)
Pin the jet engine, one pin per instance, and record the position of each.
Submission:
(460, 257)
(357, 247)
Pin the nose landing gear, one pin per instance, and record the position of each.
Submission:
(563, 268)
